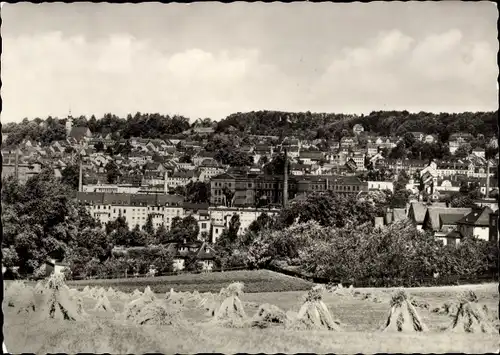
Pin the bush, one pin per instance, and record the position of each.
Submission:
(398, 255)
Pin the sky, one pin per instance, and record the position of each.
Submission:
(211, 59)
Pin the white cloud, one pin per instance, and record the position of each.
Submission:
(46, 73)
(122, 74)
(440, 72)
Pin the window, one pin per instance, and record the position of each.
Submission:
(203, 226)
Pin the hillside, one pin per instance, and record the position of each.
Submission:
(303, 125)
(307, 125)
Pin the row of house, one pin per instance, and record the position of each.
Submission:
(136, 208)
(453, 224)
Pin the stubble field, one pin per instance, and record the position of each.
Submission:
(361, 312)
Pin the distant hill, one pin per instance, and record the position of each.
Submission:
(307, 125)
(303, 125)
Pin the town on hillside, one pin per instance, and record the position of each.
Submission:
(211, 176)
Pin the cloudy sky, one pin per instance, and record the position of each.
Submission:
(212, 59)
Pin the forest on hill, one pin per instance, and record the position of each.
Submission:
(302, 125)
(307, 125)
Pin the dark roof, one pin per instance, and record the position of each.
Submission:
(450, 219)
(478, 217)
(398, 214)
(205, 252)
(311, 155)
(435, 215)
(206, 154)
(454, 234)
(78, 133)
(195, 206)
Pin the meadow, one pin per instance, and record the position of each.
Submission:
(362, 313)
(255, 281)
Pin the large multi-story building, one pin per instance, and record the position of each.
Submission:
(247, 189)
(105, 207)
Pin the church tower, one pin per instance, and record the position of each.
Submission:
(69, 124)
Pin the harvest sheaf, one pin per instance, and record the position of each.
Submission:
(442, 319)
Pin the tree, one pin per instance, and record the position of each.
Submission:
(99, 146)
(70, 176)
(277, 166)
(198, 192)
(399, 151)
(118, 231)
(148, 227)
(184, 229)
(161, 234)
(38, 217)
(228, 196)
(225, 244)
(136, 237)
(463, 151)
(185, 159)
(95, 242)
(330, 209)
(192, 263)
(262, 222)
(112, 172)
(409, 140)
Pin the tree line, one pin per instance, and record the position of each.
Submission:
(303, 125)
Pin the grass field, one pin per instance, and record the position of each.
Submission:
(255, 281)
(361, 323)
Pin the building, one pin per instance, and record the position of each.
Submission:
(179, 178)
(479, 153)
(204, 254)
(418, 210)
(210, 168)
(456, 140)
(22, 171)
(357, 129)
(311, 157)
(440, 221)
(490, 202)
(248, 189)
(105, 207)
(111, 188)
(419, 136)
(199, 211)
(381, 185)
(221, 217)
(476, 224)
(493, 226)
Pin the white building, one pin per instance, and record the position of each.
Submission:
(381, 185)
(221, 217)
(105, 207)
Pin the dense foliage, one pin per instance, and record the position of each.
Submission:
(238, 126)
(331, 126)
(331, 209)
(143, 125)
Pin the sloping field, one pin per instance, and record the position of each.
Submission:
(255, 281)
(361, 315)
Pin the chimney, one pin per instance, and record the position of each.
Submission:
(487, 179)
(80, 176)
(16, 166)
(285, 181)
(165, 187)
